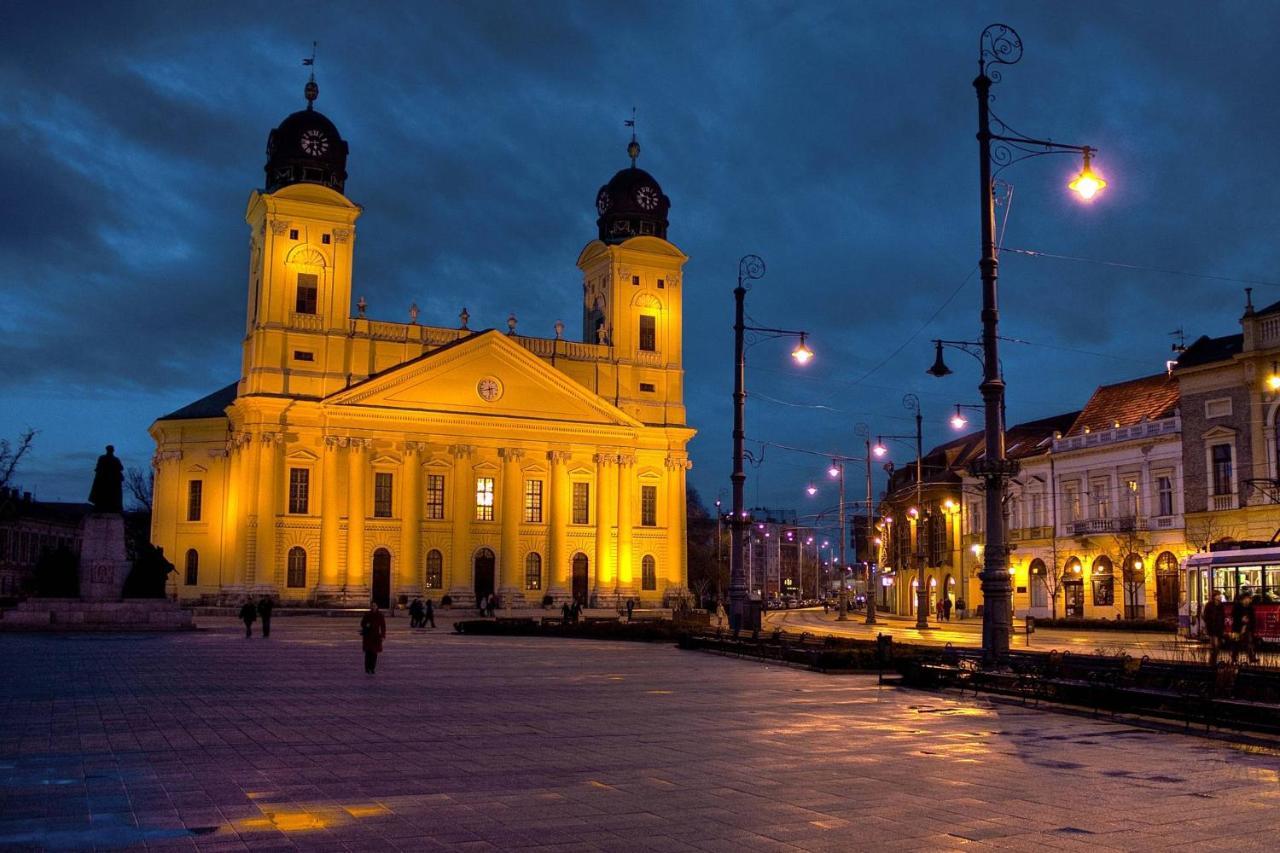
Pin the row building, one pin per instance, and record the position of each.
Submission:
(357, 458)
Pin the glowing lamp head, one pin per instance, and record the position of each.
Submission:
(958, 420)
(879, 449)
(977, 550)
(811, 489)
(802, 354)
(949, 504)
(1087, 184)
(833, 471)
(913, 512)
(1273, 381)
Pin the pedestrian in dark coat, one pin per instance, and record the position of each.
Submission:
(373, 629)
(1213, 619)
(631, 606)
(428, 614)
(415, 613)
(1243, 629)
(946, 610)
(248, 615)
(264, 613)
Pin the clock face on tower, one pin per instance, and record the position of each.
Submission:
(603, 202)
(489, 389)
(647, 198)
(314, 142)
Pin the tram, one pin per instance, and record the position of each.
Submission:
(1254, 569)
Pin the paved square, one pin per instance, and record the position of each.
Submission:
(209, 740)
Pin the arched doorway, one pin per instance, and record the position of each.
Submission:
(382, 577)
(484, 563)
(1073, 589)
(913, 601)
(1134, 579)
(1167, 586)
(1039, 577)
(1102, 573)
(933, 596)
(579, 585)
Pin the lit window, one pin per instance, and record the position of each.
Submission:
(484, 499)
(1222, 469)
(533, 571)
(1164, 491)
(305, 303)
(296, 575)
(648, 333)
(435, 497)
(649, 506)
(533, 503)
(382, 494)
(435, 569)
(581, 503)
(193, 567)
(195, 495)
(648, 573)
(299, 490)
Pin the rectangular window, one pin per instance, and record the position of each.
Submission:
(1164, 490)
(1132, 506)
(303, 355)
(293, 233)
(1071, 501)
(193, 568)
(325, 238)
(1099, 498)
(581, 503)
(435, 497)
(662, 282)
(435, 569)
(382, 494)
(484, 499)
(299, 490)
(649, 506)
(195, 495)
(1221, 469)
(647, 387)
(1219, 408)
(648, 333)
(307, 293)
(533, 503)
(635, 280)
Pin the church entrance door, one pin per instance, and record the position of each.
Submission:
(484, 573)
(580, 578)
(382, 577)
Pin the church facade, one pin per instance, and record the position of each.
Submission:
(358, 458)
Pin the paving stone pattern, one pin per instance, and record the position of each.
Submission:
(207, 740)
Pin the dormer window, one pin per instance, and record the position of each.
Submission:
(307, 294)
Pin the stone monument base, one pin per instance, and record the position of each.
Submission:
(74, 614)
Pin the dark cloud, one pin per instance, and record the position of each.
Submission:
(836, 140)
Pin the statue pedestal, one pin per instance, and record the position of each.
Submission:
(104, 563)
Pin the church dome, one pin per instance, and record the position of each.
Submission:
(306, 148)
(632, 204)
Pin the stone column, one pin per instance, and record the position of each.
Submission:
(606, 509)
(356, 587)
(510, 584)
(330, 585)
(409, 576)
(265, 567)
(234, 520)
(624, 577)
(558, 501)
(458, 571)
(675, 572)
(247, 510)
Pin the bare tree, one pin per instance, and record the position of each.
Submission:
(1054, 580)
(141, 487)
(1208, 530)
(11, 454)
(1134, 552)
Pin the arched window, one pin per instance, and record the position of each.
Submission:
(1104, 582)
(648, 573)
(533, 570)
(1166, 563)
(193, 567)
(435, 569)
(1039, 583)
(296, 574)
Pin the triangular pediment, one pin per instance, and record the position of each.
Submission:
(484, 375)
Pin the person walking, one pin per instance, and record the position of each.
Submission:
(248, 615)
(721, 617)
(1243, 629)
(415, 613)
(264, 613)
(483, 605)
(631, 607)
(1213, 621)
(373, 629)
(428, 615)
(946, 610)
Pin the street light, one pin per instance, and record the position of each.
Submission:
(750, 268)
(958, 421)
(999, 44)
(912, 404)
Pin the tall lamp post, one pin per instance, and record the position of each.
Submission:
(865, 432)
(911, 403)
(1000, 44)
(750, 268)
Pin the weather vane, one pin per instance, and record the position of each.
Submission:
(312, 91)
(633, 148)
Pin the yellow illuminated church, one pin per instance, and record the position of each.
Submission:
(359, 458)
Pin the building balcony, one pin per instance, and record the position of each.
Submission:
(1219, 503)
(1141, 431)
(1124, 524)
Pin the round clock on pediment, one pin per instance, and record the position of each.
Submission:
(314, 142)
(603, 202)
(489, 389)
(647, 198)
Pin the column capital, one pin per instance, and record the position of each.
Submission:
(626, 459)
(239, 439)
(511, 454)
(269, 438)
(461, 451)
(355, 443)
(415, 447)
(558, 457)
(333, 442)
(168, 456)
(676, 462)
(604, 460)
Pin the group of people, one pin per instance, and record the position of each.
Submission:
(488, 604)
(1243, 633)
(944, 609)
(571, 611)
(250, 613)
(422, 614)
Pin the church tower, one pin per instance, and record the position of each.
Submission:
(302, 236)
(632, 293)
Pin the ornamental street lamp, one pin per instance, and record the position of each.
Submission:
(750, 268)
(999, 44)
(912, 404)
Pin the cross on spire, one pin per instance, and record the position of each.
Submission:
(312, 91)
(633, 147)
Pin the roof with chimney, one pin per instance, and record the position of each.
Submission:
(1123, 404)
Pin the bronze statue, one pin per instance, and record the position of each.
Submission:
(108, 483)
